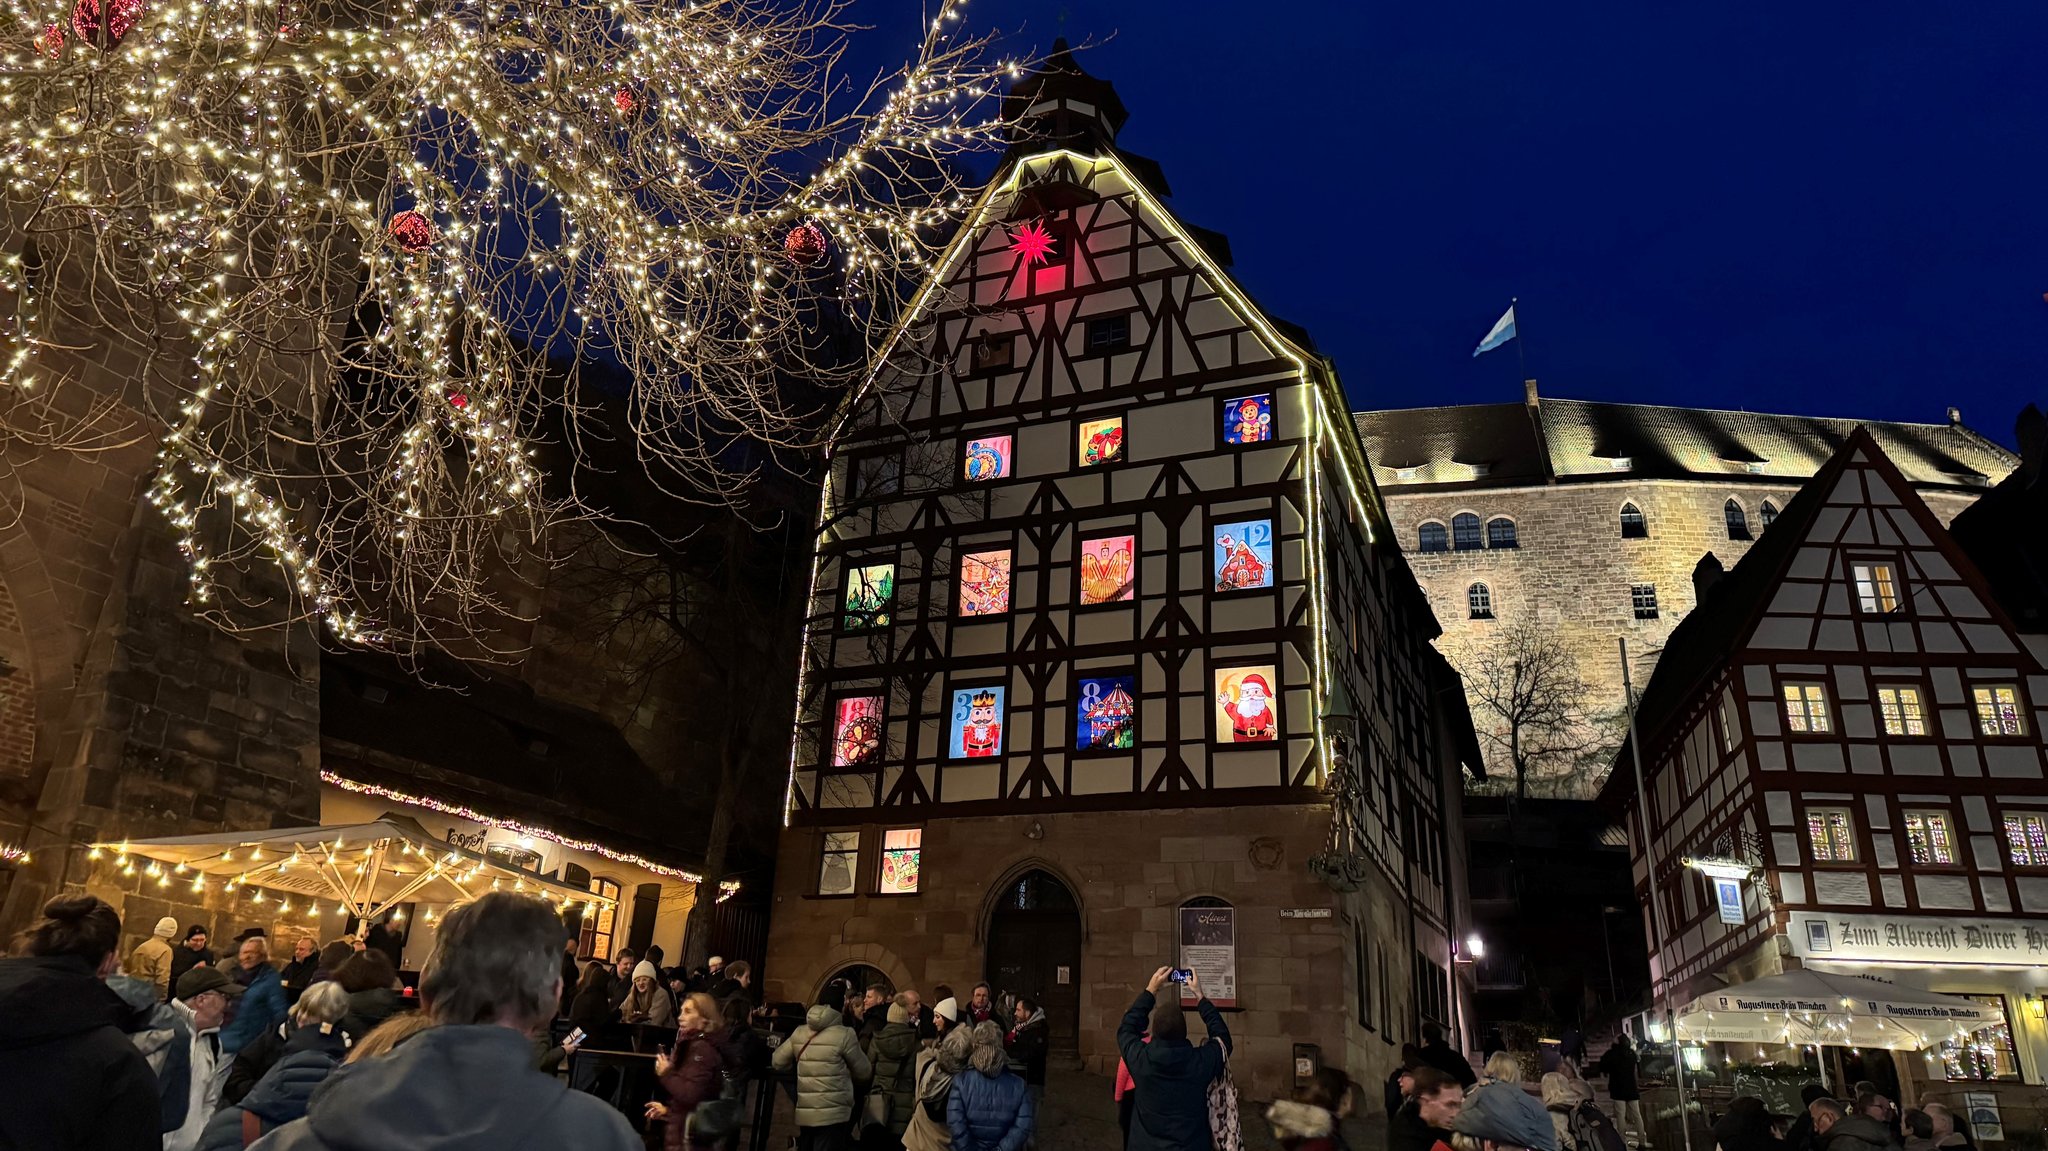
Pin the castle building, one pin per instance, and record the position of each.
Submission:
(1111, 661)
(1588, 518)
(1849, 729)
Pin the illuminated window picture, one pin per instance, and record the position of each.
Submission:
(900, 851)
(857, 731)
(1246, 707)
(1109, 568)
(977, 728)
(870, 593)
(986, 458)
(1244, 555)
(1248, 420)
(1101, 441)
(985, 582)
(1105, 714)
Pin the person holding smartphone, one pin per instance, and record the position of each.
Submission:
(689, 1074)
(1172, 1075)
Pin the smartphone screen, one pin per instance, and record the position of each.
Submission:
(1179, 974)
(574, 1037)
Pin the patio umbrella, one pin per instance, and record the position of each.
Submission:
(1816, 1008)
(366, 868)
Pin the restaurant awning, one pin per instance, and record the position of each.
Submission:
(1815, 1008)
(366, 868)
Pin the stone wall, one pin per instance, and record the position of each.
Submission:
(1129, 872)
(1572, 572)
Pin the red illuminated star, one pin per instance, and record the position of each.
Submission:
(1033, 243)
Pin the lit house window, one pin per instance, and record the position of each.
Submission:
(901, 850)
(1465, 532)
(2026, 839)
(1480, 599)
(1500, 533)
(1433, 538)
(1832, 835)
(1929, 839)
(836, 864)
(1877, 588)
(599, 924)
(1985, 1053)
(1633, 525)
(1806, 708)
(1643, 597)
(1902, 712)
(1767, 514)
(1738, 521)
(1998, 710)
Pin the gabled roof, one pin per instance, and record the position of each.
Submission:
(2006, 532)
(1703, 643)
(1584, 440)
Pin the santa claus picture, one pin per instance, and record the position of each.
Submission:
(1245, 706)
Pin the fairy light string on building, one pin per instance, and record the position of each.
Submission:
(352, 245)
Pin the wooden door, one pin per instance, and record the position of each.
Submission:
(1034, 949)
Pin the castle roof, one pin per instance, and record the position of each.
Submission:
(1579, 441)
(2001, 533)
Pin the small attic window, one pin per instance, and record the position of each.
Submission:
(1754, 467)
(1109, 333)
(1621, 463)
(1481, 469)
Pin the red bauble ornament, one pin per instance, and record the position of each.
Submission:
(805, 245)
(625, 101)
(89, 18)
(414, 232)
(458, 399)
(51, 42)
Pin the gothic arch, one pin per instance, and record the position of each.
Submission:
(1016, 871)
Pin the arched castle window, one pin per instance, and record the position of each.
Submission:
(1433, 538)
(1479, 598)
(1500, 533)
(1633, 525)
(1738, 523)
(1465, 532)
(1767, 514)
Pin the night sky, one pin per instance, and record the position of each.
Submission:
(1825, 209)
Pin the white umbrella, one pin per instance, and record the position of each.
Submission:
(366, 868)
(1815, 1008)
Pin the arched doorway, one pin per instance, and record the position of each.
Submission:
(1034, 949)
(857, 976)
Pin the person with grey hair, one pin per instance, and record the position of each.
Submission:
(256, 1060)
(494, 977)
(937, 1066)
(990, 1108)
(307, 1047)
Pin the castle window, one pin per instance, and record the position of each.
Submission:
(1930, 839)
(1998, 709)
(1832, 834)
(1738, 522)
(1643, 597)
(1480, 598)
(1109, 333)
(1633, 525)
(1500, 533)
(1433, 538)
(1902, 711)
(1465, 532)
(1767, 514)
(1877, 588)
(1806, 709)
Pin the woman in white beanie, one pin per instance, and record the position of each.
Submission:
(648, 1002)
(151, 958)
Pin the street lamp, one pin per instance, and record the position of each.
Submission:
(1475, 947)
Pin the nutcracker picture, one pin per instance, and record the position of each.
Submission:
(1246, 706)
(977, 722)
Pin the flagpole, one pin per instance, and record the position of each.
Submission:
(1521, 359)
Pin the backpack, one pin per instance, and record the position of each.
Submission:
(1592, 1130)
(1224, 1126)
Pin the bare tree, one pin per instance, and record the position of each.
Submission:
(1532, 706)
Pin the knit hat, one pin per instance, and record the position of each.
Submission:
(899, 1013)
(196, 929)
(166, 927)
(1505, 1113)
(949, 1008)
(647, 969)
(716, 961)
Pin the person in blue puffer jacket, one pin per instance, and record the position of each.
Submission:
(262, 1005)
(309, 1055)
(990, 1110)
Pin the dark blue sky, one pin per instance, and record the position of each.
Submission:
(1835, 209)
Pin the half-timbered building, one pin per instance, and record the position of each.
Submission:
(1112, 662)
(1853, 721)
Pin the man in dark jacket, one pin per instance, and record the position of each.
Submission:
(1028, 1041)
(1438, 1054)
(1172, 1074)
(495, 975)
(298, 972)
(190, 953)
(1834, 1129)
(70, 1076)
(1619, 1065)
(1425, 1120)
(1799, 1136)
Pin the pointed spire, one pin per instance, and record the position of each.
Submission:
(1061, 106)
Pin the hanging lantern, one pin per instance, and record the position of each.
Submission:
(103, 23)
(805, 245)
(414, 232)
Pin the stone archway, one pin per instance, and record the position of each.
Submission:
(1034, 949)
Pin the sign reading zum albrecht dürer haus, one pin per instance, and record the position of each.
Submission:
(1919, 939)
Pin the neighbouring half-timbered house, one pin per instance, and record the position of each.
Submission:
(1101, 585)
(1848, 732)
